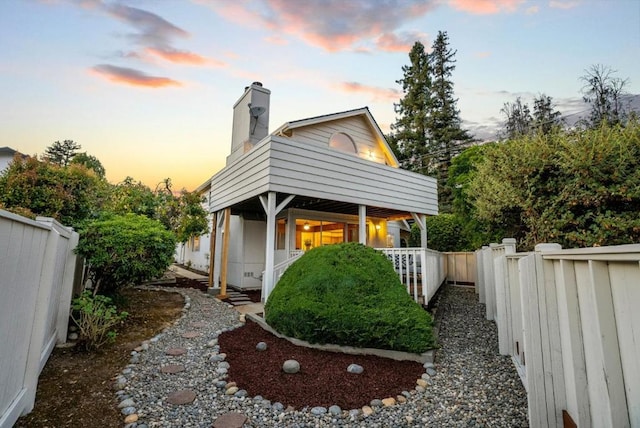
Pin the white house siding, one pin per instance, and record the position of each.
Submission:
(368, 147)
(281, 165)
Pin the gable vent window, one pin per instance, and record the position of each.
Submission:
(343, 142)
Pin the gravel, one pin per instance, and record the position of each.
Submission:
(469, 385)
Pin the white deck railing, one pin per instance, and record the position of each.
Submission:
(574, 315)
(420, 270)
(279, 268)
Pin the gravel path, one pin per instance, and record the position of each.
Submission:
(473, 385)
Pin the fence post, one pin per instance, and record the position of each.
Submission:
(502, 294)
(68, 279)
(544, 366)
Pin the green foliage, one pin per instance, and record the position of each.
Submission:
(89, 162)
(605, 93)
(61, 153)
(96, 318)
(348, 294)
(462, 172)
(575, 188)
(445, 232)
(427, 133)
(68, 194)
(192, 218)
(520, 121)
(123, 250)
(130, 196)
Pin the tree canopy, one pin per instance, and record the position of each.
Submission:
(427, 133)
(61, 153)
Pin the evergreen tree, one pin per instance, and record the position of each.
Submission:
(545, 117)
(409, 132)
(446, 138)
(61, 153)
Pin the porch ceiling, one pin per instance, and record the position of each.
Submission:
(253, 207)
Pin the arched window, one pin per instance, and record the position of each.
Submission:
(343, 142)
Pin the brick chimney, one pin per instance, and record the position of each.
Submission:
(250, 120)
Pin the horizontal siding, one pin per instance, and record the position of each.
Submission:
(286, 166)
(356, 127)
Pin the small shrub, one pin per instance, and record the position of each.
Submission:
(348, 294)
(124, 250)
(95, 317)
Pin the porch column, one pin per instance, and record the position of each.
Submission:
(268, 283)
(421, 221)
(217, 261)
(362, 224)
(212, 249)
(225, 254)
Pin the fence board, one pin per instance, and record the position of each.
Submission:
(32, 284)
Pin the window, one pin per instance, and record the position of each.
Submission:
(195, 243)
(343, 142)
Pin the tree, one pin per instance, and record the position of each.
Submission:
(605, 93)
(518, 119)
(130, 196)
(61, 153)
(192, 217)
(545, 117)
(31, 187)
(125, 249)
(90, 162)
(445, 134)
(410, 129)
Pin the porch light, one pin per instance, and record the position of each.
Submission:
(306, 225)
(378, 226)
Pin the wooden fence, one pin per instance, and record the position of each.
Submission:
(570, 320)
(37, 269)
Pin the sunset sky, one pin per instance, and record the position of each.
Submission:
(147, 86)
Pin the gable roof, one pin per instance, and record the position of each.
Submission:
(363, 111)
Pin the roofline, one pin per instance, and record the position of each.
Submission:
(341, 115)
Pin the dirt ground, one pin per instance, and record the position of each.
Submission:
(76, 387)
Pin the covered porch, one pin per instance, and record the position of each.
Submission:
(290, 198)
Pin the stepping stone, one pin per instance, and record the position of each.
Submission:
(175, 351)
(172, 368)
(191, 335)
(230, 420)
(199, 324)
(184, 396)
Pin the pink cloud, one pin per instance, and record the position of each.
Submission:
(377, 93)
(392, 42)
(130, 76)
(333, 25)
(183, 57)
(276, 40)
(486, 7)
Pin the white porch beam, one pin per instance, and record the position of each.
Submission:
(219, 216)
(362, 224)
(270, 209)
(283, 204)
(421, 221)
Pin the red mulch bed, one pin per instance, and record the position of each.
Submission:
(323, 379)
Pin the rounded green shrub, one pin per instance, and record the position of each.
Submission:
(348, 294)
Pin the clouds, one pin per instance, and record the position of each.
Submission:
(333, 25)
(151, 41)
(133, 77)
(376, 93)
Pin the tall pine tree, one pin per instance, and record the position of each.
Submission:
(409, 132)
(427, 133)
(446, 136)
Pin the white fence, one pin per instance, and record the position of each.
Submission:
(422, 271)
(37, 268)
(570, 319)
(461, 268)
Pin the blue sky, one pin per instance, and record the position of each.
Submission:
(148, 86)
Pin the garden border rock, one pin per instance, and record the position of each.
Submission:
(425, 357)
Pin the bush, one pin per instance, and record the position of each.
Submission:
(445, 232)
(348, 294)
(123, 250)
(95, 316)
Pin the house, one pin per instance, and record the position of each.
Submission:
(311, 182)
(6, 156)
